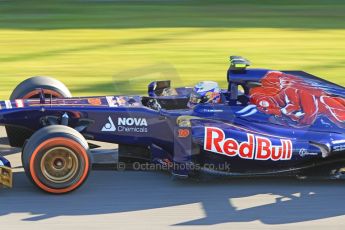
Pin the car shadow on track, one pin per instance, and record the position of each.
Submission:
(115, 192)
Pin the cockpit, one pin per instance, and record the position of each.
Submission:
(240, 80)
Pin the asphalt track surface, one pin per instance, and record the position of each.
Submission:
(151, 200)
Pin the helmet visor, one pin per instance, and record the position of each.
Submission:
(195, 98)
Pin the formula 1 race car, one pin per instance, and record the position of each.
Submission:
(268, 123)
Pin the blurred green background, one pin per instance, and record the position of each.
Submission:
(89, 44)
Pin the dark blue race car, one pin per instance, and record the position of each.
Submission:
(266, 123)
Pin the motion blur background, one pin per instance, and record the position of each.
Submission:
(89, 44)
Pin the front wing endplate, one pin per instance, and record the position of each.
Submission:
(6, 176)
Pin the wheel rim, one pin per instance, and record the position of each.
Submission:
(46, 185)
(36, 94)
(59, 164)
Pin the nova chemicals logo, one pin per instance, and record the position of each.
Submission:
(109, 127)
(126, 124)
(129, 121)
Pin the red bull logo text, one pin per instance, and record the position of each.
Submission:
(255, 148)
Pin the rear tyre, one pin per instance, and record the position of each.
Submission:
(31, 88)
(56, 159)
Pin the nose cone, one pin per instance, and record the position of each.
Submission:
(4, 162)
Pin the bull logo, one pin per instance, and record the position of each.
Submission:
(290, 97)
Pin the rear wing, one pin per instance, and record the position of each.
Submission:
(238, 63)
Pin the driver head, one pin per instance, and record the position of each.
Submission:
(205, 92)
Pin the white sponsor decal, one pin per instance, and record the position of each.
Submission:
(111, 101)
(132, 121)
(19, 103)
(213, 110)
(126, 124)
(8, 104)
(339, 148)
(109, 127)
(304, 152)
(255, 148)
(338, 142)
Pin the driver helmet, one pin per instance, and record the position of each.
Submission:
(205, 92)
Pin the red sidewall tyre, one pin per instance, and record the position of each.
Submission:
(60, 141)
(39, 148)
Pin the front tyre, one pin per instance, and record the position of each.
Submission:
(56, 159)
